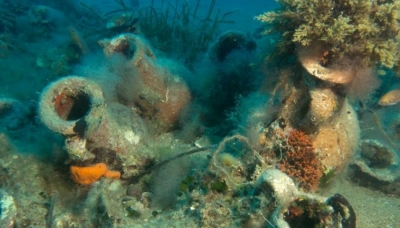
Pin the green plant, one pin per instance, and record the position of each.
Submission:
(365, 30)
(180, 29)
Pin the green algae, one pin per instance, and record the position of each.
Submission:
(368, 30)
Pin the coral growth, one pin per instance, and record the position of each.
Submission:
(368, 30)
(309, 212)
(300, 161)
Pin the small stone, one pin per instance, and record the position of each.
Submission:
(8, 210)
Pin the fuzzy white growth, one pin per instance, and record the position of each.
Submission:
(8, 210)
(283, 187)
(73, 85)
(277, 220)
(132, 137)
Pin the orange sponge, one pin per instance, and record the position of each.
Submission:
(112, 174)
(90, 174)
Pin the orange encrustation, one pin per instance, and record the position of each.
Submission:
(90, 174)
(112, 174)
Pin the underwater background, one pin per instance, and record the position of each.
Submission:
(199, 113)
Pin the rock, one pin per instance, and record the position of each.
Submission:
(8, 210)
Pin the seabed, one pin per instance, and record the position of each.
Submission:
(199, 114)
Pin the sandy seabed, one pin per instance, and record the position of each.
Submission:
(373, 208)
